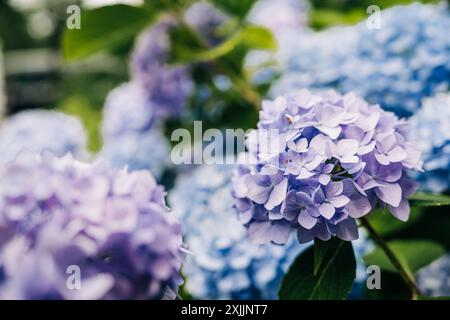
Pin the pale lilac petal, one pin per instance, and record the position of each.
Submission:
(390, 193)
(339, 201)
(382, 159)
(397, 154)
(402, 211)
(326, 210)
(277, 195)
(306, 220)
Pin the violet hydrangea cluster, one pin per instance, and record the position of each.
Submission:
(167, 86)
(430, 128)
(41, 130)
(224, 264)
(318, 162)
(67, 225)
(131, 133)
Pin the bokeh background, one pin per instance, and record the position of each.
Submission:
(120, 97)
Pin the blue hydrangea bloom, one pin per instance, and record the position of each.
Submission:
(224, 263)
(315, 60)
(59, 214)
(430, 128)
(397, 65)
(41, 130)
(434, 280)
(167, 87)
(404, 61)
(131, 138)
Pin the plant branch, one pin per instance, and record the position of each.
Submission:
(407, 278)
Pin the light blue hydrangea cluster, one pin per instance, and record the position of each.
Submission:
(130, 136)
(41, 130)
(430, 128)
(110, 229)
(404, 61)
(407, 59)
(224, 263)
(434, 280)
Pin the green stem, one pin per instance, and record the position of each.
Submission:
(240, 85)
(407, 278)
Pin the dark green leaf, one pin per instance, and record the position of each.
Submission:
(335, 274)
(237, 8)
(413, 255)
(433, 298)
(103, 29)
(429, 200)
(386, 224)
(252, 37)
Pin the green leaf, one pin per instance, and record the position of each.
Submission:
(386, 224)
(433, 298)
(335, 264)
(253, 37)
(413, 255)
(237, 8)
(103, 29)
(429, 200)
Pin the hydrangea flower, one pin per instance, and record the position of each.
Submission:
(280, 15)
(434, 280)
(316, 60)
(41, 130)
(206, 19)
(167, 86)
(224, 264)
(430, 128)
(399, 64)
(318, 162)
(404, 61)
(58, 215)
(130, 135)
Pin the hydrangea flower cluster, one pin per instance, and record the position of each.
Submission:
(206, 19)
(224, 264)
(430, 128)
(434, 279)
(316, 60)
(131, 138)
(167, 87)
(318, 162)
(41, 130)
(280, 15)
(59, 215)
(399, 64)
(404, 61)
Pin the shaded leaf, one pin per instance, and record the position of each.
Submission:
(429, 200)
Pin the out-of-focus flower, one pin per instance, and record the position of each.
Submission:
(362, 246)
(280, 15)
(41, 130)
(434, 280)
(167, 86)
(131, 138)
(404, 61)
(224, 264)
(58, 213)
(317, 162)
(206, 19)
(430, 129)
(316, 60)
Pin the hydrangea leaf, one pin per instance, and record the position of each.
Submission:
(336, 270)
(104, 28)
(237, 8)
(413, 255)
(386, 224)
(429, 200)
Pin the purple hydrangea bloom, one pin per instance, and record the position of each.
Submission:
(206, 19)
(42, 130)
(131, 135)
(430, 127)
(167, 86)
(318, 162)
(58, 214)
